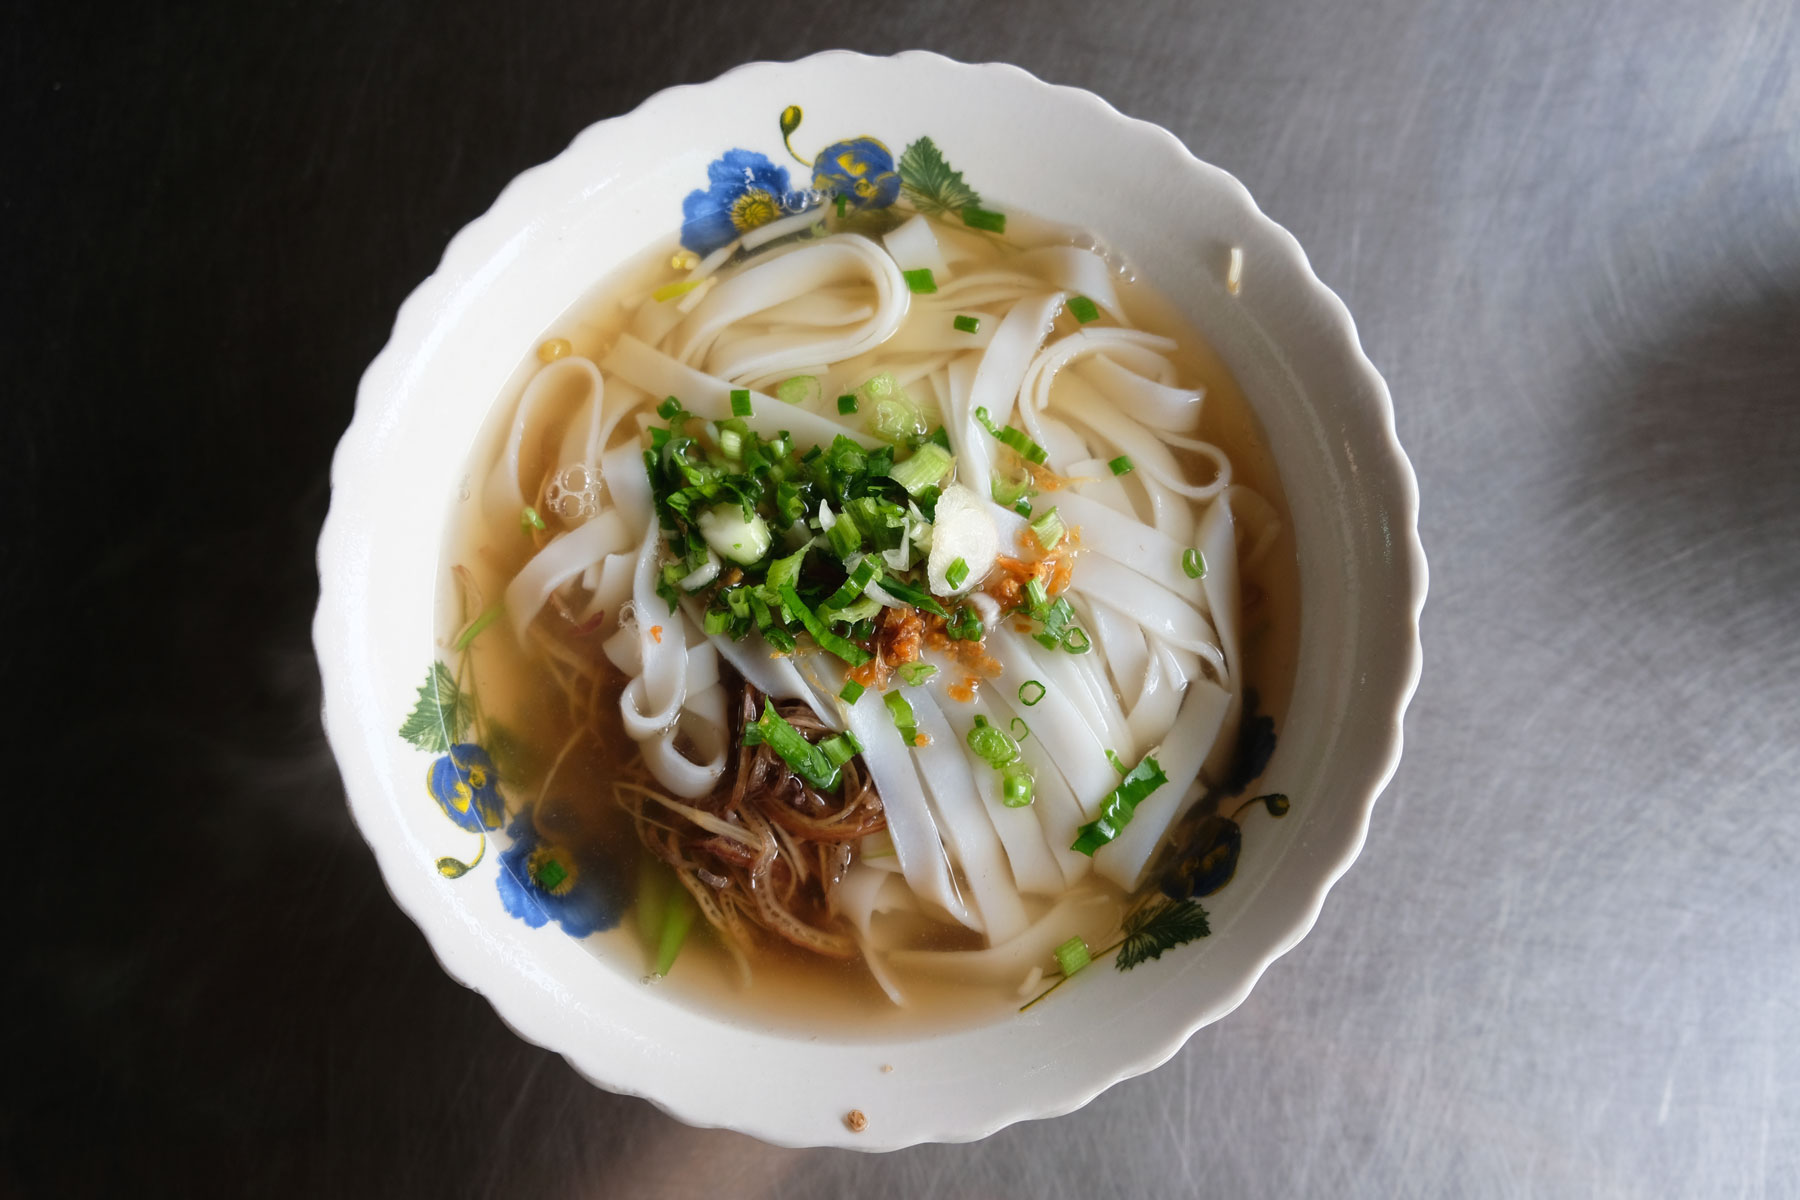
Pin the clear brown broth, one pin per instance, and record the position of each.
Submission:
(793, 989)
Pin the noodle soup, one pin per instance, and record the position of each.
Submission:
(879, 620)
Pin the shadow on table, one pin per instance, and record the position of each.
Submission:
(1682, 486)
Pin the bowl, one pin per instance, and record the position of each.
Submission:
(1055, 151)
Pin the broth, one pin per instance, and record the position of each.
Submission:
(527, 703)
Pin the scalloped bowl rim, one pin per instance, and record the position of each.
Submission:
(523, 984)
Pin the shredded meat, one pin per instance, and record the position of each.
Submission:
(766, 850)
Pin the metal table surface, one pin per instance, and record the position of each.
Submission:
(1567, 962)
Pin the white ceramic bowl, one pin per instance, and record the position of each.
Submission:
(1056, 151)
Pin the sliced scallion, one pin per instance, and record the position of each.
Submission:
(801, 389)
(808, 761)
(740, 402)
(1083, 309)
(981, 218)
(1194, 563)
(1120, 803)
(852, 692)
(920, 281)
(1073, 955)
(1048, 529)
(956, 572)
(925, 468)
(901, 710)
(915, 673)
(1017, 786)
(967, 324)
(1121, 465)
(847, 403)
(668, 408)
(529, 520)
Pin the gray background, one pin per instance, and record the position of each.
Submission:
(1567, 962)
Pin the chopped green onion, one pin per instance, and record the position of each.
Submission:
(905, 720)
(854, 586)
(1031, 691)
(1073, 955)
(965, 626)
(920, 281)
(1013, 437)
(939, 436)
(896, 419)
(845, 649)
(1048, 529)
(1017, 786)
(844, 536)
(1020, 729)
(840, 748)
(926, 468)
(967, 324)
(1120, 803)
(1117, 762)
(678, 918)
(956, 572)
(991, 745)
(731, 444)
(1194, 563)
(852, 692)
(801, 389)
(915, 673)
(1121, 465)
(847, 403)
(1036, 594)
(1083, 309)
(680, 287)
(1011, 493)
(740, 402)
(981, 218)
(716, 622)
(807, 760)
(906, 593)
(668, 408)
(529, 519)
(1076, 641)
(480, 623)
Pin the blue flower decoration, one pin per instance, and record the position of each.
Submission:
(744, 190)
(539, 883)
(861, 170)
(466, 785)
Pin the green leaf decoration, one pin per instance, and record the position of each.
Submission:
(1159, 926)
(451, 868)
(928, 179)
(790, 119)
(441, 716)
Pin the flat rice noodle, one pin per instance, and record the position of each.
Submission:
(1158, 611)
(1091, 916)
(1033, 863)
(627, 484)
(1065, 718)
(863, 892)
(805, 270)
(1165, 683)
(1121, 644)
(1129, 542)
(710, 397)
(995, 387)
(559, 388)
(562, 558)
(1147, 454)
(1078, 271)
(1217, 540)
(1152, 404)
(914, 247)
(909, 818)
(771, 674)
(968, 833)
(1196, 729)
(1059, 813)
